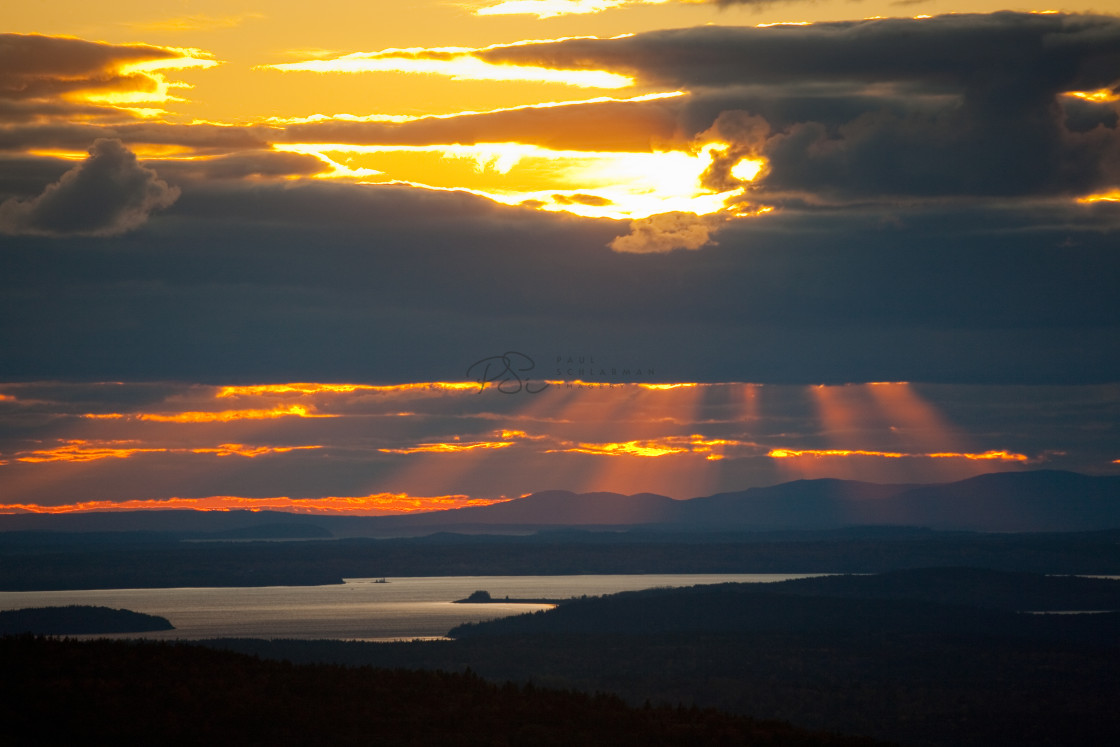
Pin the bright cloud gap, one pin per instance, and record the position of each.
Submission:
(607, 184)
(456, 63)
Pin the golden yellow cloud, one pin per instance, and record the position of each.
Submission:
(457, 63)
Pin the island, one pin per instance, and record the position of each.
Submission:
(79, 620)
(483, 597)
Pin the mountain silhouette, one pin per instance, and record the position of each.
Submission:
(1034, 501)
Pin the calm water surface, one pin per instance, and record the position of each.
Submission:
(359, 609)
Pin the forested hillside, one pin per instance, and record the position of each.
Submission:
(115, 692)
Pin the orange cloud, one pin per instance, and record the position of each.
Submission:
(1004, 456)
(623, 448)
(1113, 196)
(249, 451)
(85, 451)
(712, 448)
(318, 388)
(221, 416)
(1100, 96)
(79, 450)
(375, 504)
(449, 447)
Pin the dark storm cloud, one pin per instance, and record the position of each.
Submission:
(27, 176)
(107, 194)
(967, 105)
(334, 282)
(1041, 52)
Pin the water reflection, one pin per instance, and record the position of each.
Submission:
(359, 609)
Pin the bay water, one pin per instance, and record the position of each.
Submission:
(365, 609)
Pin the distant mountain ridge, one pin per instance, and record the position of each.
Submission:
(1035, 501)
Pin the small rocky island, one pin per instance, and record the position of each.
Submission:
(79, 620)
(483, 597)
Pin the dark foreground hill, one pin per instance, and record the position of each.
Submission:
(918, 657)
(113, 692)
(938, 601)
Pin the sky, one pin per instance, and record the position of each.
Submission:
(379, 258)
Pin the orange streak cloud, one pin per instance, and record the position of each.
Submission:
(624, 448)
(82, 451)
(656, 447)
(221, 416)
(1099, 96)
(78, 450)
(449, 447)
(1005, 456)
(508, 438)
(316, 388)
(249, 451)
(367, 505)
(1113, 196)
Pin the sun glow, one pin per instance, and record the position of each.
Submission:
(1113, 196)
(1101, 96)
(713, 449)
(151, 85)
(592, 184)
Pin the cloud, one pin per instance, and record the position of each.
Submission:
(37, 72)
(200, 138)
(599, 124)
(665, 232)
(344, 282)
(746, 135)
(252, 164)
(952, 106)
(32, 65)
(416, 439)
(107, 194)
(932, 54)
(458, 63)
